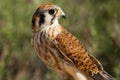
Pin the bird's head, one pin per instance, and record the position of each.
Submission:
(46, 15)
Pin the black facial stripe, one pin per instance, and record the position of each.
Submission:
(42, 19)
(39, 14)
(33, 22)
(53, 17)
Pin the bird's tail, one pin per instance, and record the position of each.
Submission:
(103, 75)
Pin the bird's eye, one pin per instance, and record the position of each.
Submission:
(51, 11)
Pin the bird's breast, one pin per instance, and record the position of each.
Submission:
(42, 42)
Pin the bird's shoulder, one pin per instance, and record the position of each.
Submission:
(68, 42)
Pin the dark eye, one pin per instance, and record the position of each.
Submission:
(51, 11)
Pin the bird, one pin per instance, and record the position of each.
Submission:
(61, 50)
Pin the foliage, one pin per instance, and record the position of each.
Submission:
(95, 22)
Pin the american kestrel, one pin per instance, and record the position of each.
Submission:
(62, 51)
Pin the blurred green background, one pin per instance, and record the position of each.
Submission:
(95, 22)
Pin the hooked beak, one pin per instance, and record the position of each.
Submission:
(62, 14)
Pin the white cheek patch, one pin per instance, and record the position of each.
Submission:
(48, 18)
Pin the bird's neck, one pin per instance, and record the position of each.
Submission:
(52, 30)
